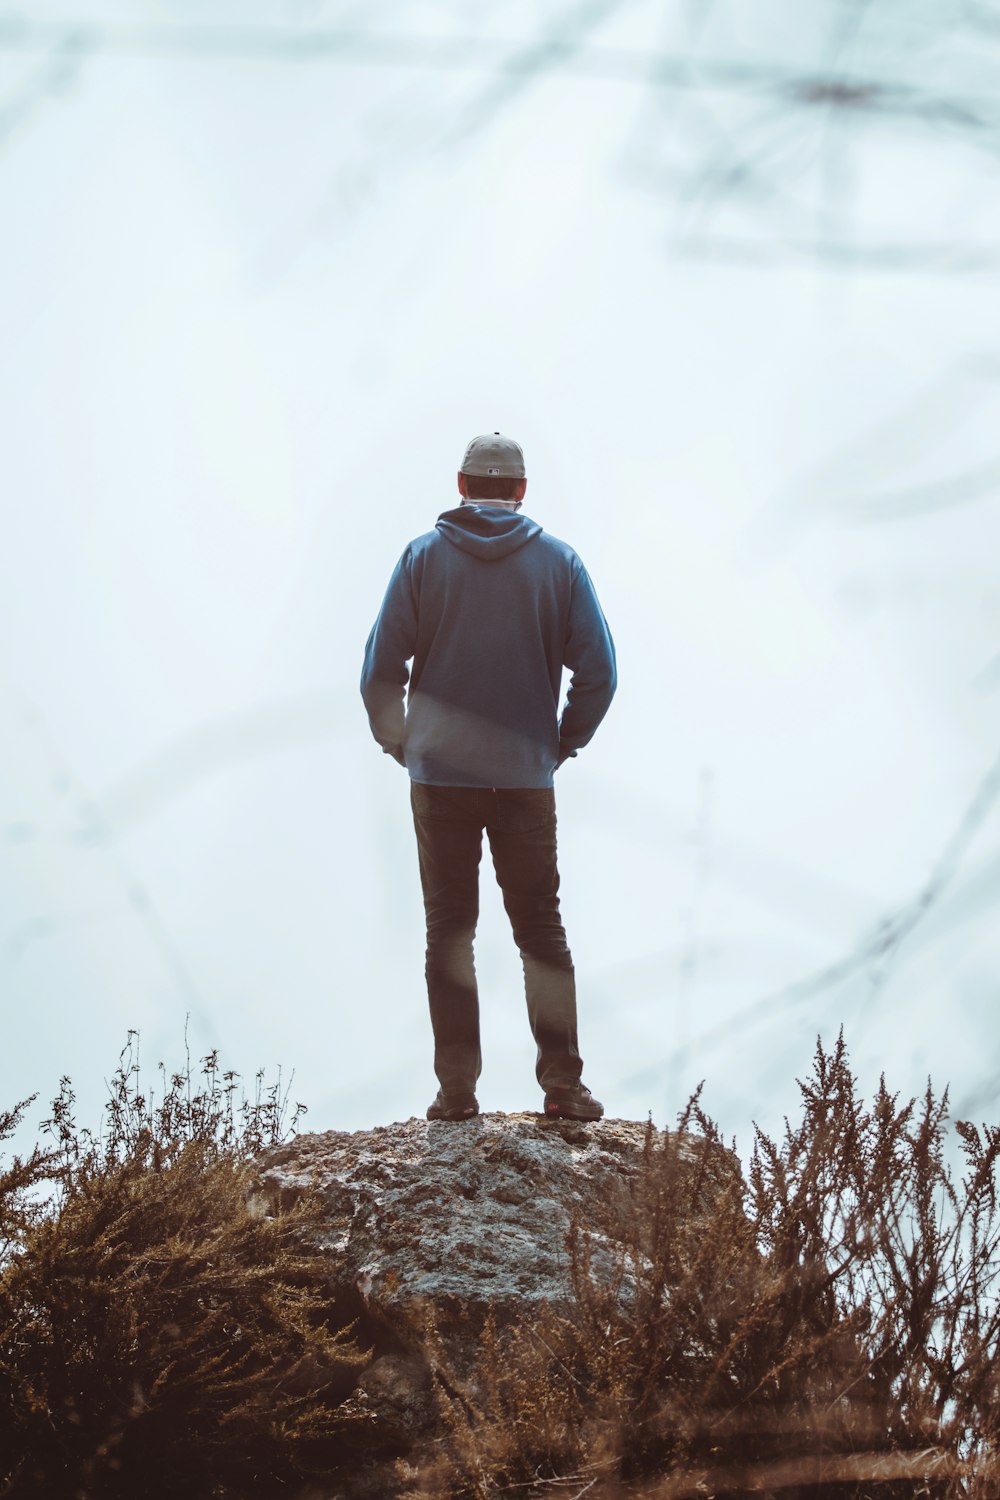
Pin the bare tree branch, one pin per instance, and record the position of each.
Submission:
(880, 948)
(139, 898)
(825, 94)
(859, 94)
(560, 43)
(926, 499)
(946, 257)
(58, 72)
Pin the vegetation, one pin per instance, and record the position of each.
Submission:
(824, 1326)
(828, 1329)
(157, 1336)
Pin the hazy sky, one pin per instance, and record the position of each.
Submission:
(264, 269)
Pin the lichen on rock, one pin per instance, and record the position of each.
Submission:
(472, 1215)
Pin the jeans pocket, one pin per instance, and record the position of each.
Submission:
(441, 803)
(524, 809)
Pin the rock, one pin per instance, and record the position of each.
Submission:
(469, 1217)
(428, 1227)
(398, 1388)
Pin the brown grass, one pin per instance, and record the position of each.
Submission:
(157, 1338)
(822, 1326)
(828, 1329)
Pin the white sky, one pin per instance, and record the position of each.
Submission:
(250, 313)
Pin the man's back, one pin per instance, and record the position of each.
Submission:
(490, 608)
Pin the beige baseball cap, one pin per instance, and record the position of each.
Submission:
(492, 453)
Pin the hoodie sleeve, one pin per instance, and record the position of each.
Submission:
(590, 655)
(390, 646)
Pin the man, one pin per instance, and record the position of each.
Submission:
(490, 609)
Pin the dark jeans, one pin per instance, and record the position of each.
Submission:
(521, 824)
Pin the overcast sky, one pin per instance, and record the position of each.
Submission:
(729, 273)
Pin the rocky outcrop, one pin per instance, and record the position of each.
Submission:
(472, 1215)
(463, 1219)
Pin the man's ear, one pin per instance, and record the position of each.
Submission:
(463, 485)
(519, 489)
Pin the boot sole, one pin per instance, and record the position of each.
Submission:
(459, 1112)
(568, 1112)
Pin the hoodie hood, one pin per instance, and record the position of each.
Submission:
(487, 531)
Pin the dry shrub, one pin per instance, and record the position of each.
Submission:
(157, 1335)
(516, 1418)
(829, 1328)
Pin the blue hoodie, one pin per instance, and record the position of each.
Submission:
(490, 608)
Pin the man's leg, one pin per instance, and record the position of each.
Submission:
(449, 844)
(522, 831)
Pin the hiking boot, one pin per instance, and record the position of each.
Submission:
(453, 1106)
(572, 1101)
